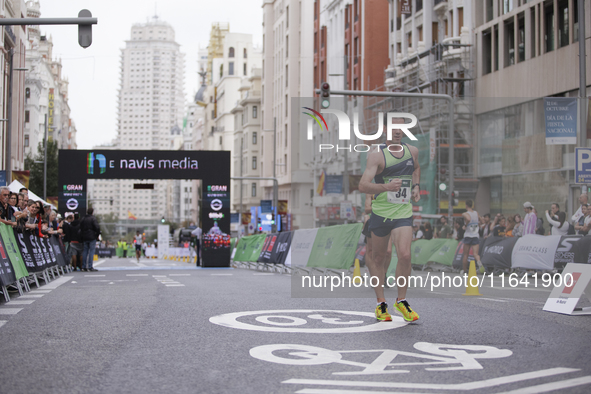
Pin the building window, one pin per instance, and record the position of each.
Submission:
(221, 70)
(28, 93)
(509, 43)
(244, 53)
(575, 21)
(244, 69)
(220, 140)
(254, 137)
(231, 52)
(27, 116)
(489, 10)
(533, 31)
(521, 38)
(231, 68)
(549, 27)
(253, 190)
(419, 4)
(507, 6)
(26, 140)
(254, 162)
(254, 112)
(496, 47)
(486, 52)
(563, 23)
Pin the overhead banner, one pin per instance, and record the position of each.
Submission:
(301, 247)
(497, 252)
(560, 114)
(536, 252)
(335, 246)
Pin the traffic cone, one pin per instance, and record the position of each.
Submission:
(357, 273)
(95, 258)
(472, 290)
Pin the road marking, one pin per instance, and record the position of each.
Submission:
(136, 275)
(41, 291)
(491, 299)
(333, 324)
(3, 322)
(17, 302)
(330, 391)
(98, 262)
(31, 296)
(222, 274)
(481, 384)
(544, 388)
(173, 285)
(57, 283)
(10, 311)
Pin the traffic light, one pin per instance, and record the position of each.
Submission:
(162, 220)
(84, 31)
(325, 95)
(442, 187)
(454, 196)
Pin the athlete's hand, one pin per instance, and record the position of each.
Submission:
(416, 193)
(394, 185)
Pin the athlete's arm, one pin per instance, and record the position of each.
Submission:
(365, 184)
(367, 204)
(416, 175)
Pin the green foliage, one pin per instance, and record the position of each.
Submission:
(36, 179)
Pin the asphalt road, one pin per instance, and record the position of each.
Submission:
(156, 327)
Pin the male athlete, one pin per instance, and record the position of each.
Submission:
(471, 235)
(396, 173)
(138, 246)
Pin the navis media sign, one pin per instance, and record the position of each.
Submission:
(122, 164)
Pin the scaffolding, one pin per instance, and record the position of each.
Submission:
(215, 49)
(445, 68)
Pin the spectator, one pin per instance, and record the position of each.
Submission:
(5, 210)
(499, 226)
(587, 221)
(428, 233)
(530, 219)
(484, 231)
(76, 243)
(560, 226)
(539, 223)
(580, 225)
(418, 234)
(554, 209)
(67, 231)
(579, 213)
(510, 226)
(458, 233)
(518, 229)
(34, 219)
(446, 230)
(90, 231)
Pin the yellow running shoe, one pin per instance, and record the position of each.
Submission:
(382, 312)
(404, 309)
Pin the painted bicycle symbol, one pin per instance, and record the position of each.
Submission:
(306, 321)
(435, 357)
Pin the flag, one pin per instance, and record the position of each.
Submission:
(22, 177)
(131, 215)
(320, 189)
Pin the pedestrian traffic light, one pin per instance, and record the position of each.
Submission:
(325, 95)
(162, 220)
(84, 31)
(455, 196)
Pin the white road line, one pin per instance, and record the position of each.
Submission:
(136, 275)
(31, 296)
(490, 299)
(222, 274)
(10, 311)
(480, 384)
(3, 322)
(93, 276)
(544, 388)
(23, 302)
(173, 285)
(98, 262)
(330, 391)
(40, 291)
(57, 283)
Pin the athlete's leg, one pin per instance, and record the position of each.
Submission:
(402, 242)
(379, 262)
(465, 257)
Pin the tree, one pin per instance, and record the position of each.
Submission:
(36, 169)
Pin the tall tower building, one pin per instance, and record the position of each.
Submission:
(151, 110)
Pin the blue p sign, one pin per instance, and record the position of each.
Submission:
(583, 165)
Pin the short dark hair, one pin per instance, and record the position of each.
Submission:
(23, 188)
(557, 205)
(487, 215)
(469, 203)
(90, 211)
(584, 205)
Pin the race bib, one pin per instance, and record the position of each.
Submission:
(403, 195)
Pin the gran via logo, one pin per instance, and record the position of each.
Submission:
(102, 163)
(344, 129)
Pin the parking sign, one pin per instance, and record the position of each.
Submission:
(583, 165)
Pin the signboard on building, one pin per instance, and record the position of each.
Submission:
(560, 114)
(347, 210)
(404, 7)
(282, 207)
(583, 165)
(50, 114)
(333, 184)
(266, 206)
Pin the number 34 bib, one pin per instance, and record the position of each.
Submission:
(403, 195)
